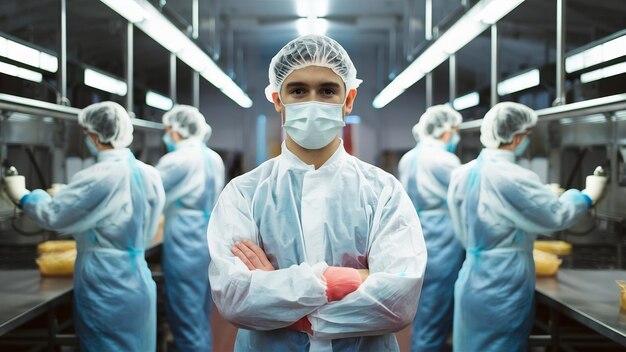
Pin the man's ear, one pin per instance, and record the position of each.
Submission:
(349, 101)
(277, 104)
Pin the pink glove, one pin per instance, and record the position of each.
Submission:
(340, 282)
(303, 325)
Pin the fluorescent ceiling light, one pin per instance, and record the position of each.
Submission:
(520, 82)
(159, 101)
(161, 30)
(104, 82)
(598, 54)
(312, 8)
(22, 53)
(604, 72)
(128, 9)
(27, 55)
(386, 96)
(466, 101)
(463, 31)
(233, 91)
(495, 10)
(314, 25)
(15, 71)
(48, 62)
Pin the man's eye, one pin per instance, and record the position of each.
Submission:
(297, 91)
(328, 91)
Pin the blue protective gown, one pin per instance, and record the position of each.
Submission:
(193, 176)
(425, 174)
(112, 209)
(346, 213)
(497, 209)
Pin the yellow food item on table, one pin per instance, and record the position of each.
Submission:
(622, 297)
(554, 247)
(546, 264)
(56, 246)
(57, 263)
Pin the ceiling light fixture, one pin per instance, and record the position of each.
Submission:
(519, 82)
(104, 82)
(475, 21)
(158, 101)
(467, 101)
(161, 30)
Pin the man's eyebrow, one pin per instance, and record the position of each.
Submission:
(304, 84)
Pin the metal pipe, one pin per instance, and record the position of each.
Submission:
(452, 78)
(561, 18)
(173, 77)
(217, 47)
(428, 20)
(608, 104)
(62, 54)
(42, 108)
(195, 19)
(494, 65)
(429, 89)
(129, 68)
(195, 89)
(393, 41)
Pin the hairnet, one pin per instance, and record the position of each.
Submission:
(207, 131)
(437, 120)
(310, 50)
(186, 120)
(505, 120)
(109, 121)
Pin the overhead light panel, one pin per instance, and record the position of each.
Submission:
(596, 55)
(475, 21)
(128, 9)
(520, 82)
(104, 82)
(26, 55)
(467, 101)
(317, 26)
(495, 10)
(312, 8)
(20, 72)
(604, 72)
(161, 30)
(159, 101)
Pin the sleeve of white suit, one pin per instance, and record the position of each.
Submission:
(76, 207)
(220, 174)
(387, 300)
(536, 209)
(259, 300)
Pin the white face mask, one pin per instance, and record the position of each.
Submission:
(313, 125)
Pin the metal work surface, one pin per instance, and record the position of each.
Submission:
(590, 297)
(25, 294)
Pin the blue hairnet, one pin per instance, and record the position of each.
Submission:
(504, 121)
(437, 120)
(109, 121)
(310, 50)
(186, 120)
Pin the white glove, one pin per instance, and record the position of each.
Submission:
(556, 189)
(594, 187)
(15, 187)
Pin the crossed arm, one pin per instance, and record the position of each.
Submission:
(339, 281)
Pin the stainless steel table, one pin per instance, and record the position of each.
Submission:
(590, 297)
(25, 294)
